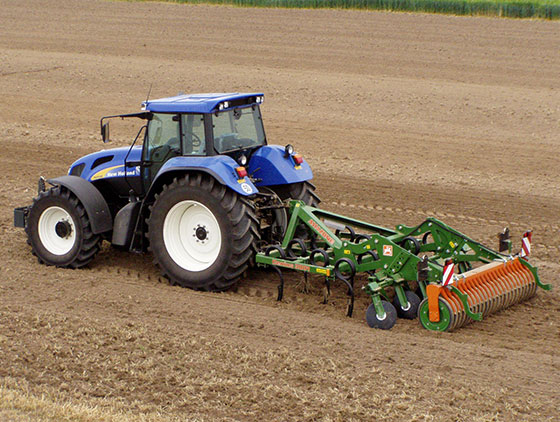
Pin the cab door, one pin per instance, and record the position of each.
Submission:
(162, 142)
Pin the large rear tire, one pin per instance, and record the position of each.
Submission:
(202, 234)
(59, 231)
(304, 191)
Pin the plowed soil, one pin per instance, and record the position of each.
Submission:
(402, 116)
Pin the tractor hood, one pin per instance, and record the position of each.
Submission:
(106, 164)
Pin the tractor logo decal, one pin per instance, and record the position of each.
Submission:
(321, 231)
(115, 171)
(246, 188)
(387, 250)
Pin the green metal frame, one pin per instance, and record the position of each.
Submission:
(396, 265)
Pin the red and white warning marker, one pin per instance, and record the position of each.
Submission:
(526, 244)
(448, 271)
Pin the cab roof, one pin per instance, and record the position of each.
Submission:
(200, 103)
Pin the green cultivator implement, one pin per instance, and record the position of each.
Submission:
(437, 273)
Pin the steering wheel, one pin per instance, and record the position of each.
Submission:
(196, 142)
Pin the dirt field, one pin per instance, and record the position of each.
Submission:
(401, 116)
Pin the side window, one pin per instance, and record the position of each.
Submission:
(163, 138)
(194, 142)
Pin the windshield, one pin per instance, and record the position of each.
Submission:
(238, 128)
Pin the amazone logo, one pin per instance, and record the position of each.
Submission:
(321, 232)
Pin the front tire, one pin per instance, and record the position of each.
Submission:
(202, 234)
(59, 231)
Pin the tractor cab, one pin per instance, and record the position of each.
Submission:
(194, 126)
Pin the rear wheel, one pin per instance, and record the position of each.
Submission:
(203, 235)
(59, 231)
(303, 191)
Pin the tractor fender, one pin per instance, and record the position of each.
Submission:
(272, 166)
(92, 200)
(220, 167)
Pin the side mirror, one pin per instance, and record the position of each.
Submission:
(105, 132)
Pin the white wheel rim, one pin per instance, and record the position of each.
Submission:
(192, 236)
(51, 240)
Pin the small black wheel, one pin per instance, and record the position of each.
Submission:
(387, 322)
(59, 231)
(202, 234)
(413, 302)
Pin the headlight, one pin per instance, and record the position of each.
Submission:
(242, 160)
(289, 150)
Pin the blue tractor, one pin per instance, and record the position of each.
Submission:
(202, 192)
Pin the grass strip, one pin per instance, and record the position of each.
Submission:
(544, 9)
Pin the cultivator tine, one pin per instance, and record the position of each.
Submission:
(350, 305)
(305, 283)
(281, 285)
(326, 291)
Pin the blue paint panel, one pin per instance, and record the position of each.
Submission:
(194, 103)
(222, 167)
(270, 164)
(113, 168)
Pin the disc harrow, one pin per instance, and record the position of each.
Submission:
(430, 270)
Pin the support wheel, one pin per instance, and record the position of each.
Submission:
(203, 235)
(59, 231)
(412, 309)
(387, 322)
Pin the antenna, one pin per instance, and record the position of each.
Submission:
(149, 92)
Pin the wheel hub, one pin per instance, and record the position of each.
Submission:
(201, 233)
(63, 229)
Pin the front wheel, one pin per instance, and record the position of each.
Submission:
(202, 234)
(59, 231)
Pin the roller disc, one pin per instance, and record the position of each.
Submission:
(446, 317)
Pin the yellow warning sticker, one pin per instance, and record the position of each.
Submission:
(451, 244)
(346, 252)
(323, 271)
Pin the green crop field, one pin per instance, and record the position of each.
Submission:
(545, 9)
